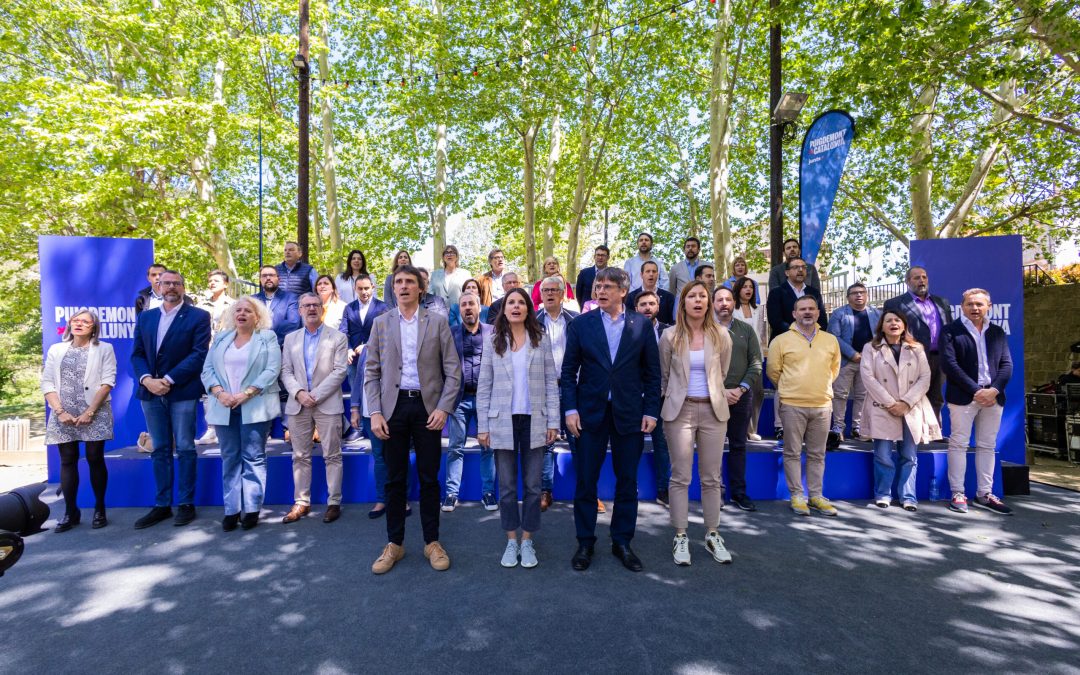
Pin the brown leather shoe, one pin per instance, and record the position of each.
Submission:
(436, 555)
(545, 500)
(298, 511)
(600, 508)
(390, 555)
(333, 512)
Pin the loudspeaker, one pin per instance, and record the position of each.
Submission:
(11, 549)
(1014, 479)
(22, 510)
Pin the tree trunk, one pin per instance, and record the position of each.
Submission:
(529, 211)
(581, 192)
(548, 198)
(720, 141)
(440, 193)
(922, 173)
(329, 161)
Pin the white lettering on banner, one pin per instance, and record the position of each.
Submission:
(117, 321)
(999, 314)
(827, 142)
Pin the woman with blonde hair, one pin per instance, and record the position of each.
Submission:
(694, 358)
(551, 269)
(241, 379)
(79, 374)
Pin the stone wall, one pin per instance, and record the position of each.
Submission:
(1051, 324)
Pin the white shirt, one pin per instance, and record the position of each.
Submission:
(236, 363)
(799, 292)
(166, 320)
(153, 301)
(980, 349)
(496, 286)
(410, 376)
(698, 386)
(633, 268)
(364, 309)
(519, 402)
(556, 330)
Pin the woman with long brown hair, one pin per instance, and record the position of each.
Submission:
(402, 257)
(517, 412)
(694, 358)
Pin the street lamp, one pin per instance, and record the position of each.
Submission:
(787, 110)
(303, 176)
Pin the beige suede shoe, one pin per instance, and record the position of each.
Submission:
(436, 555)
(390, 555)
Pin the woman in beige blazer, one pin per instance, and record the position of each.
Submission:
(896, 412)
(517, 414)
(694, 358)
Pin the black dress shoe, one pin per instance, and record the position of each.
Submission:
(582, 558)
(629, 559)
(67, 522)
(376, 513)
(250, 520)
(744, 503)
(351, 436)
(156, 515)
(99, 521)
(185, 513)
(229, 522)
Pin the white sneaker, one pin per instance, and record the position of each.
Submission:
(528, 554)
(680, 550)
(715, 543)
(209, 438)
(510, 555)
(753, 437)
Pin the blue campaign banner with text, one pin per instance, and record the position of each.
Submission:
(103, 275)
(996, 265)
(824, 152)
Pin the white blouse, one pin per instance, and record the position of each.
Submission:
(519, 360)
(236, 363)
(699, 379)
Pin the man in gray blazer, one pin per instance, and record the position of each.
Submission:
(314, 362)
(411, 383)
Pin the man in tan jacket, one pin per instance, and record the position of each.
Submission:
(314, 361)
(803, 362)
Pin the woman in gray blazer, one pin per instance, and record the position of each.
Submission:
(517, 413)
(79, 374)
(241, 377)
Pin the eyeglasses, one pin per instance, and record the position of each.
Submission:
(310, 305)
(550, 290)
(172, 283)
(796, 267)
(81, 322)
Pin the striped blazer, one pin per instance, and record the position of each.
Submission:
(495, 392)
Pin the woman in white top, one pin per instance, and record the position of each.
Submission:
(694, 358)
(447, 281)
(355, 265)
(748, 309)
(517, 413)
(333, 306)
(241, 379)
(79, 374)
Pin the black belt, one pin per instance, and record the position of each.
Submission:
(470, 391)
(410, 393)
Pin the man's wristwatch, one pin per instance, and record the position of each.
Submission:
(250, 392)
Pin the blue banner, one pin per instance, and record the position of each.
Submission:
(824, 151)
(103, 275)
(994, 264)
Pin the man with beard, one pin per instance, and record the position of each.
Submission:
(683, 272)
(633, 265)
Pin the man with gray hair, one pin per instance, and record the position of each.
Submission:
(977, 363)
(510, 281)
(555, 319)
(314, 362)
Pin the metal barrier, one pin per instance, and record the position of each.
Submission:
(14, 435)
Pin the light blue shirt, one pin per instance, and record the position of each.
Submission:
(311, 347)
(614, 330)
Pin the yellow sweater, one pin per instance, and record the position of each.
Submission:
(803, 371)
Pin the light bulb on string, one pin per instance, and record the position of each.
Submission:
(637, 26)
(573, 47)
(674, 11)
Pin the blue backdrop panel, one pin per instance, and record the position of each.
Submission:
(995, 264)
(103, 275)
(824, 152)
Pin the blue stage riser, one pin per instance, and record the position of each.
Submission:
(848, 476)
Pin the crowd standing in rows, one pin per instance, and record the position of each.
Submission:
(623, 354)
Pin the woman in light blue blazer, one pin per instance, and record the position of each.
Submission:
(241, 380)
(517, 414)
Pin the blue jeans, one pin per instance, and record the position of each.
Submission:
(243, 463)
(886, 473)
(378, 463)
(661, 458)
(172, 422)
(455, 453)
(547, 480)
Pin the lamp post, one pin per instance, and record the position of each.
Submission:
(776, 146)
(303, 176)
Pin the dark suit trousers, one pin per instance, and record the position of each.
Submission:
(626, 452)
(937, 381)
(408, 426)
(736, 436)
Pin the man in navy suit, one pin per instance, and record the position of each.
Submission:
(284, 312)
(171, 343)
(650, 276)
(977, 363)
(585, 278)
(647, 304)
(356, 324)
(927, 315)
(780, 306)
(611, 391)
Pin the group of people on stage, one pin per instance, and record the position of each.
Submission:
(679, 358)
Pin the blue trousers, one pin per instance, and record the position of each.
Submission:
(243, 463)
(455, 452)
(589, 458)
(894, 467)
(547, 480)
(172, 424)
(660, 456)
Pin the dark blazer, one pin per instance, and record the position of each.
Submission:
(781, 304)
(589, 376)
(144, 296)
(960, 362)
(357, 331)
(583, 287)
(542, 317)
(905, 304)
(667, 304)
(493, 311)
(458, 333)
(285, 313)
(181, 356)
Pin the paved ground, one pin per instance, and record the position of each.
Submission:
(869, 592)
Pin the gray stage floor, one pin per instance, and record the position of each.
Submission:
(869, 592)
